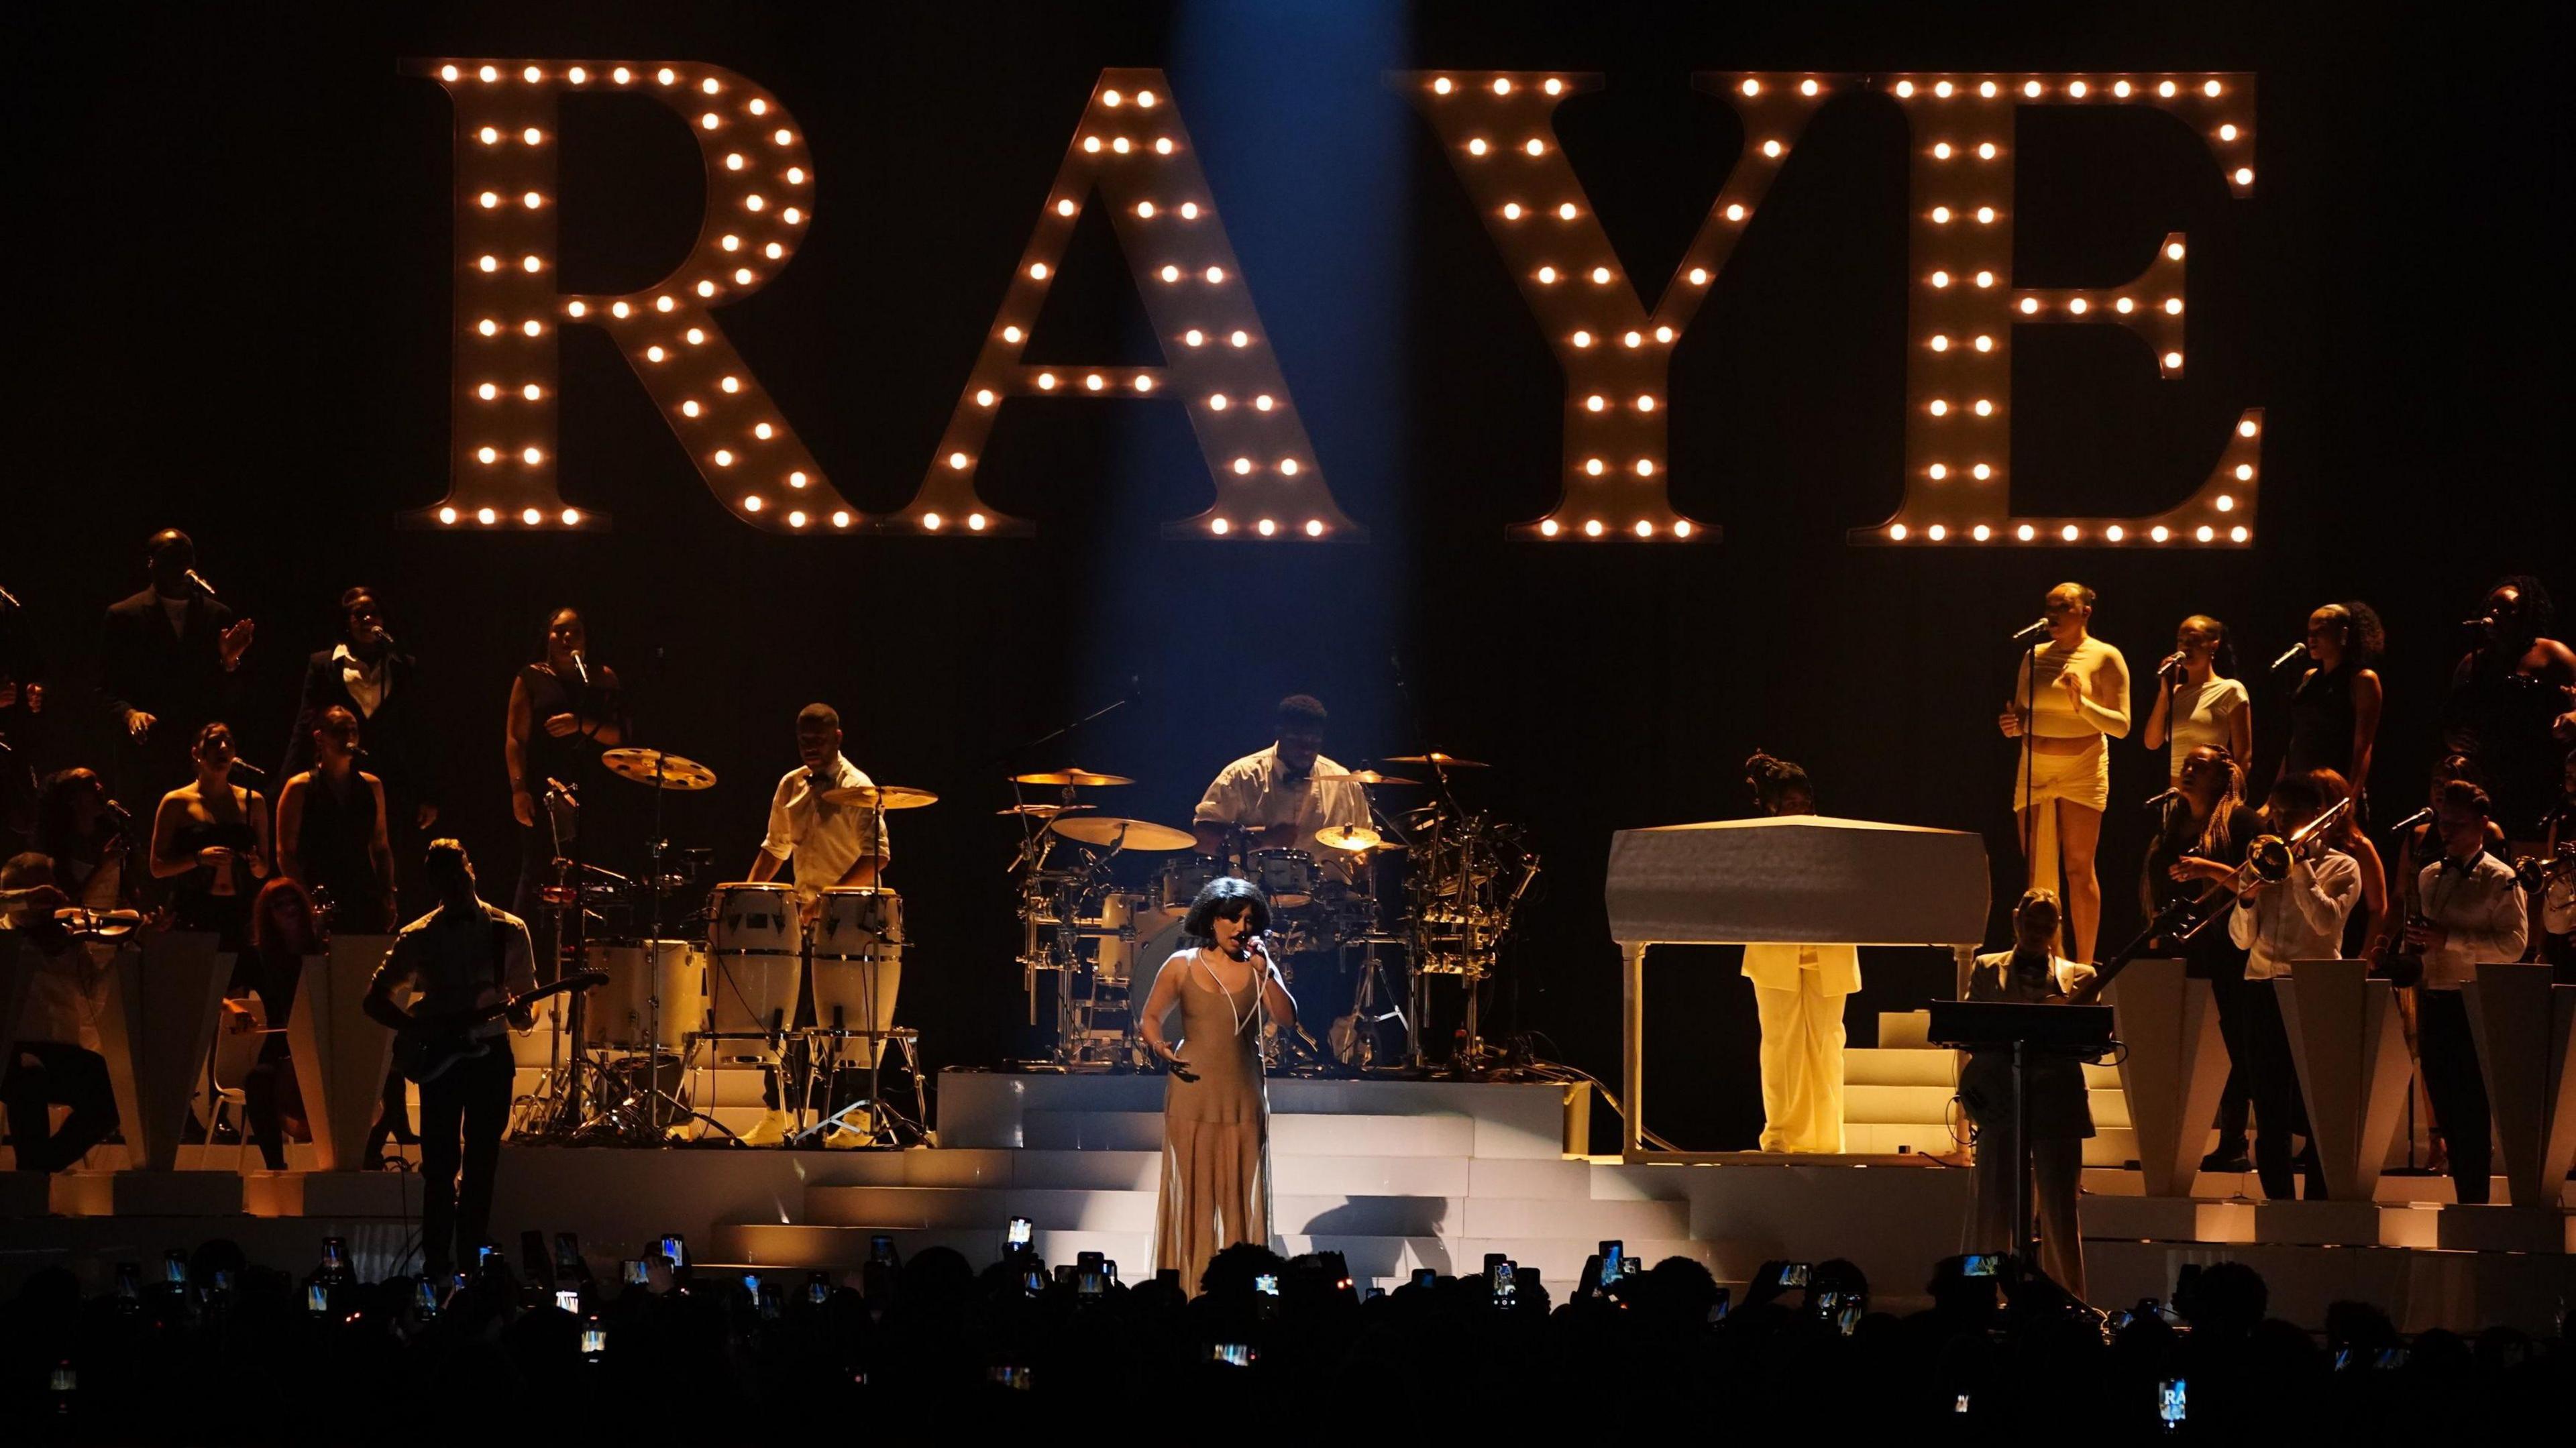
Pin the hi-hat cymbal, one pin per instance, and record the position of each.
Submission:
(1367, 776)
(1081, 778)
(1435, 757)
(1124, 834)
(659, 769)
(1042, 811)
(880, 796)
(1353, 838)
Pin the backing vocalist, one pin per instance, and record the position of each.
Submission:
(563, 712)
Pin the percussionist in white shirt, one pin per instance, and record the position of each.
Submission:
(830, 846)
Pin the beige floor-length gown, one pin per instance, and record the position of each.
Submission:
(1216, 1129)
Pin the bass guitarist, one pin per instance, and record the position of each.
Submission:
(456, 964)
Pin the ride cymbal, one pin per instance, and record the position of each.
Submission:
(880, 796)
(1042, 811)
(1353, 838)
(658, 768)
(1435, 757)
(1368, 776)
(1125, 834)
(1079, 778)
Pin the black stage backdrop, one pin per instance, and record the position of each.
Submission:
(230, 243)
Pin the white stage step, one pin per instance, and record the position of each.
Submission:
(1379, 1259)
(1381, 1136)
(1069, 1209)
(1906, 1104)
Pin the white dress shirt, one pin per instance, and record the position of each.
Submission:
(2298, 917)
(823, 839)
(1255, 793)
(2483, 910)
(66, 990)
(367, 683)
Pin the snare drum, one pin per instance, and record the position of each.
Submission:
(754, 965)
(1287, 877)
(859, 923)
(1181, 880)
(619, 1015)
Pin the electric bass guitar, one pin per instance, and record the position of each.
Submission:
(424, 1054)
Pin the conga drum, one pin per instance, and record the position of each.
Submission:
(858, 964)
(755, 946)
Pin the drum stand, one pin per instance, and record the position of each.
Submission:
(1373, 990)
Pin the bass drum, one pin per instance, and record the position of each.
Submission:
(755, 944)
(620, 1014)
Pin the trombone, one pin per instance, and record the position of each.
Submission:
(2267, 859)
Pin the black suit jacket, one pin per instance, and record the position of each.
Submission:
(395, 749)
(178, 678)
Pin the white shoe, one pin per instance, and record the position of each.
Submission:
(844, 1137)
(770, 1131)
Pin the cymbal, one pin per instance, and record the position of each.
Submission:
(1353, 838)
(1124, 833)
(1435, 757)
(655, 767)
(1042, 811)
(880, 796)
(1077, 777)
(1367, 776)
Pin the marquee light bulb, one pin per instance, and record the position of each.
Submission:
(1663, 334)
(1937, 472)
(1942, 89)
(730, 384)
(1037, 271)
(742, 276)
(1985, 215)
(1941, 150)
(1217, 402)
(1595, 403)
(2029, 305)
(1548, 528)
(486, 516)
(1145, 209)
(1442, 86)
(490, 263)
(1985, 343)
(2167, 91)
(2224, 502)
(795, 480)
(2227, 133)
(2173, 251)
(1218, 526)
(489, 199)
(1985, 279)
(1896, 531)
(1681, 528)
(2070, 532)
(1734, 211)
(533, 327)
(2173, 359)
(2245, 428)
(1046, 382)
(1595, 467)
(2244, 472)
(1981, 472)
(2124, 306)
(1215, 275)
(1111, 98)
(1546, 275)
(1553, 87)
(705, 289)
(984, 397)
(447, 515)
(2159, 533)
(1699, 276)
(1534, 146)
(531, 456)
(653, 354)
(957, 461)
(1592, 528)
(975, 522)
(1476, 147)
(488, 74)
(2077, 90)
(1940, 343)
(1940, 279)
(1985, 408)
(1601, 276)
(487, 456)
(489, 135)
(1565, 212)
(2120, 89)
(2244, 175)
(1511, 211)
(1193, 337)
(1986, 151)
(1189, 211)
(782, 136)
(840, 519)
(1986, 89)
(796, 518)
(487, 326)
(1772, 149)
(1645, 529)
(1242, 467)
(1287, 467)
(1094, 382)
(724, 457)
(1240, 338)
(2078, 306)
(664, 75)
(1981, 532)
(577, 76)
(1940, 408)
(1582, 339)
(447, 72)
(1263, 403)
(530, 264)
(2212, 90)
(487, 392)
(689, 408)
(2237, 534)
(1936, 532)
(1012, 334)
(1170, 274)
(1162, 145)
(2204, 533)
(1940, 215)
(2025, 532)
(1645, 403)
(621, 75)
(1502, 86)
(1645, 467)
(2115, 532)
(1752, 87)
(1904, 89)
(1267, 527)
(2031, 89)
(531, 517)
(763, 431)
(1808, 88)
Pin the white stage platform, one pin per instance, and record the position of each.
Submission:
(1393, 1174)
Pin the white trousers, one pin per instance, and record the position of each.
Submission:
(1802, 1066)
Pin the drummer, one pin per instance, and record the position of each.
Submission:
(831, 845)
(1283, 796)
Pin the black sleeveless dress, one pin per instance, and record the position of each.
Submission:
(2321, 722)
(193, 898)
(335, 850)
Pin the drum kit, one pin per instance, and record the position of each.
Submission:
(625, 1062)
(1098, 925)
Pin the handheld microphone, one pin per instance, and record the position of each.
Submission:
(2292, 652)
(2411, 821)
(581, 668)
(2172, 666)
(198, 582)
(384, 636)
(244, 764)
(124, 821)
(2031, 631)
(2481, 623)
(2173, 793)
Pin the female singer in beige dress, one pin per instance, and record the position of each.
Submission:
(1216, 1111)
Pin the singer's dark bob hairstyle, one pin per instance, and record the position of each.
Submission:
(1225, 898)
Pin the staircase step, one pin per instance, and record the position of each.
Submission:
(1901, 1105)
(1430, 1134)
(1904, 1066)
(1384, 1261)
(1903, 1030)
(1064, 1209)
